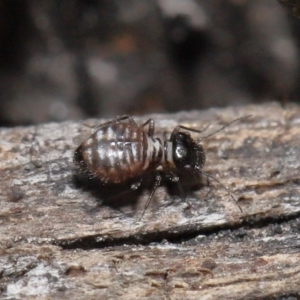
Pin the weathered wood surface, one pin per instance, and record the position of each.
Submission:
(53, 246)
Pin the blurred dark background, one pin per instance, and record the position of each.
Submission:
(85, 58)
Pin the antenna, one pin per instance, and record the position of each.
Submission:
(223, 186)
(211, 177)
(226, 125)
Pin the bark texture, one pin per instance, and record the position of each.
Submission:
(191, 245)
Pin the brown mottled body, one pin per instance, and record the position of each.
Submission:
(118, 151)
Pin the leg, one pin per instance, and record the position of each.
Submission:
(136, 185)
(151, 127)
(165, 135)
(133, 187)
(118, 120)
(156, 185)
(174, 178)
(207, 180)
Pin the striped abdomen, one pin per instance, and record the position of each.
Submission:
(117, 152)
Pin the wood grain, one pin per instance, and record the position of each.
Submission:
(54, 245)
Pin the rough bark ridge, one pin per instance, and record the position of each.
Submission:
(53, 245)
